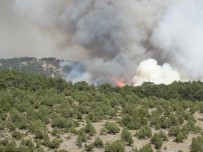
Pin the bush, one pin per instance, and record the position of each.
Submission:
(3, 115)
(197, 144)
(11, 126)
(173, 131)
(89, 129)
(146, 148)
(98, 143)
(126, 136)
(144, 132)
(28, 143)
(11, 147)
(55, 132)
(180, 137)
(134, 125)
(54, 144)
(79, 141)
(162, 136)
(156, 140)
(23, 148)
(111, 112)
(82, 134)
(116, 146)
(17, 135)
(89, 147)
(126, 119)
(2, 148)
(112, 128)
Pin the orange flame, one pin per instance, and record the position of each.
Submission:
(119, 83)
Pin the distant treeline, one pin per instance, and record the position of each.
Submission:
(178, 90)
(45, 66)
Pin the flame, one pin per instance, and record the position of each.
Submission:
(117, 82)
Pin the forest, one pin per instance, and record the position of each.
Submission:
(39, 114)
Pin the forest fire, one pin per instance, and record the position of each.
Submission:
(117, 82)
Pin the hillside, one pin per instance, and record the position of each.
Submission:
(46, 66)
(48, 114)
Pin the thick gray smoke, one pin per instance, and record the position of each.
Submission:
(110, 37)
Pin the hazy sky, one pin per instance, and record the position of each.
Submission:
(20, 35)
(126, 35)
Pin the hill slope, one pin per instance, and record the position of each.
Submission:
(48, 114)
(45, 66)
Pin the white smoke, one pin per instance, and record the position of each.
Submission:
(149, 71)
(110, 37)
(180, 37)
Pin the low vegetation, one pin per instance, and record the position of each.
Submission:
(49, 114)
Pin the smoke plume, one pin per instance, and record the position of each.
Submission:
(112, 39)
(180, 35)
(150, 71)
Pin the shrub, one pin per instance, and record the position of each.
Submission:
(162, 136)
(134, 125)
(82, 134)
(126, 119)
(112, 128)
(180, 137)
(23, 148)
(54, 144)
(89, 147)
(98, 143)
(11, 147)
(89, 128)
(2, 148)
(173, 131)
(3, 115)
(111, 112)
(156, 140)
(165, 122)
(17, 135)
(126, 136)
(144, 132)
(116, 146)
(28, 143)
(146, 148)
(55, 132)
(197, 144)
(79, 141)
(11, 126)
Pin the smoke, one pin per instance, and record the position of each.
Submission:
(110, 38)
(150, 71)
(180, 35)
(76, 74)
